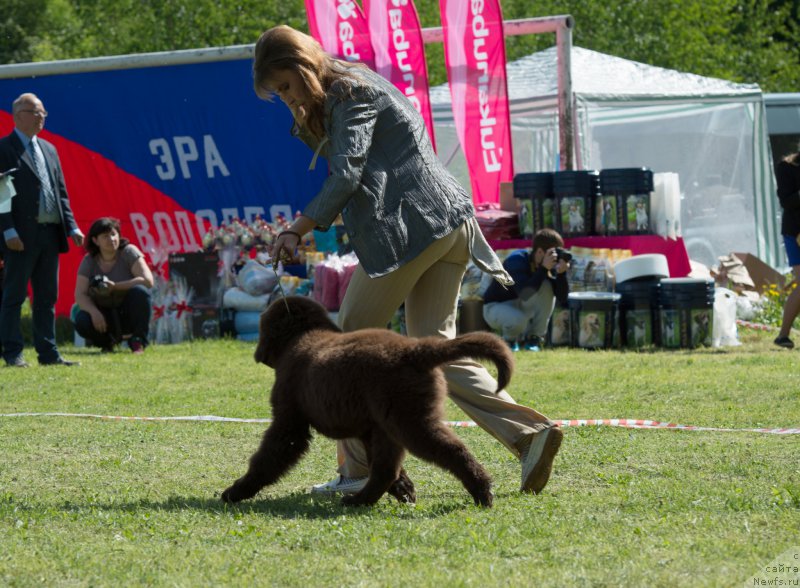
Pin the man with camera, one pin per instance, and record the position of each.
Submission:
(521, 313)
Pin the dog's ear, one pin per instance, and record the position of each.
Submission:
(284, 321)
(275, 333)
(260, 354)
(267, 344)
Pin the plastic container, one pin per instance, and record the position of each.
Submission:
(558, 329)
(624, 202)
(593, 319)
(686, 312)
(575, 194)
(641, 267)
(537, 202)
(246, 324)
(638, 313)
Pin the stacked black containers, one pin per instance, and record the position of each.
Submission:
(623, 208)
(686, 311)
(575, 195)
(638, 309)
(537, 202)
(585, 202)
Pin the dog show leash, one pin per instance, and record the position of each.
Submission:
(275, 263)
(276, 260)
(283, 295)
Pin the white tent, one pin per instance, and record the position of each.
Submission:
(711, 132)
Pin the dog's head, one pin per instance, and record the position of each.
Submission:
(280, 326)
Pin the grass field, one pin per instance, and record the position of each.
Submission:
(99, 502)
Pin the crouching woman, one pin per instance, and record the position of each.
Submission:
(112, 290)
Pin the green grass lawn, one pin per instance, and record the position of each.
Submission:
(97, 502)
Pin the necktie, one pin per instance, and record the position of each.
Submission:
(41, 171)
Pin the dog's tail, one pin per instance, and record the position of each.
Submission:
(435, 351)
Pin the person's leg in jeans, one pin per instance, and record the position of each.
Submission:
(18, 267)
(44, 287)
(134, 313)
(85, 328)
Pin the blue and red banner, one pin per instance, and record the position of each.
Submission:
(168, 150)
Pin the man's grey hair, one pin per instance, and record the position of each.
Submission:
(25, 98)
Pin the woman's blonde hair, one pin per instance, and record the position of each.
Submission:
(284, 48)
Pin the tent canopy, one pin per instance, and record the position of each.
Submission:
(711, 132)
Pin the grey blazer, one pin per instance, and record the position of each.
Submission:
(393, 193)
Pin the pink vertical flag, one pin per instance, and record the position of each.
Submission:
(341, 29)
(476, 70)
(399, 51)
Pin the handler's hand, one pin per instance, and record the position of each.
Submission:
(550, 259)
(15, 244)
(283, 249)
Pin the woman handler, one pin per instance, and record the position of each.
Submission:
(411, 225)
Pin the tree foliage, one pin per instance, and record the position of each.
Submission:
(755, 41)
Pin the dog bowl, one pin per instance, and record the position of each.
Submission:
(649, 265)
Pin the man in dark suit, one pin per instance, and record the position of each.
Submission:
(34, 233)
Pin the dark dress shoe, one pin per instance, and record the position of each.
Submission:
(60, 361)
(17, 362)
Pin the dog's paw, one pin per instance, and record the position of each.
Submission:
(485, 499)
(229, 495)
(403, 489)
(237, 492)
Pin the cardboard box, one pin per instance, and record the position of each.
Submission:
(507, 200)
(763, 275)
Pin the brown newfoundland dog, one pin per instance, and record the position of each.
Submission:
(375, 385)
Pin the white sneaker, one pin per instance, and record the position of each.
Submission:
(340, 485)
(537, 459)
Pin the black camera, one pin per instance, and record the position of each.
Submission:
(563, 254)
(100, 291)
(99, 284)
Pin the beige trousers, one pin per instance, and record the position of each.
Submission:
(429, 285)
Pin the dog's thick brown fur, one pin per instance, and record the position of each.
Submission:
(375, 385)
